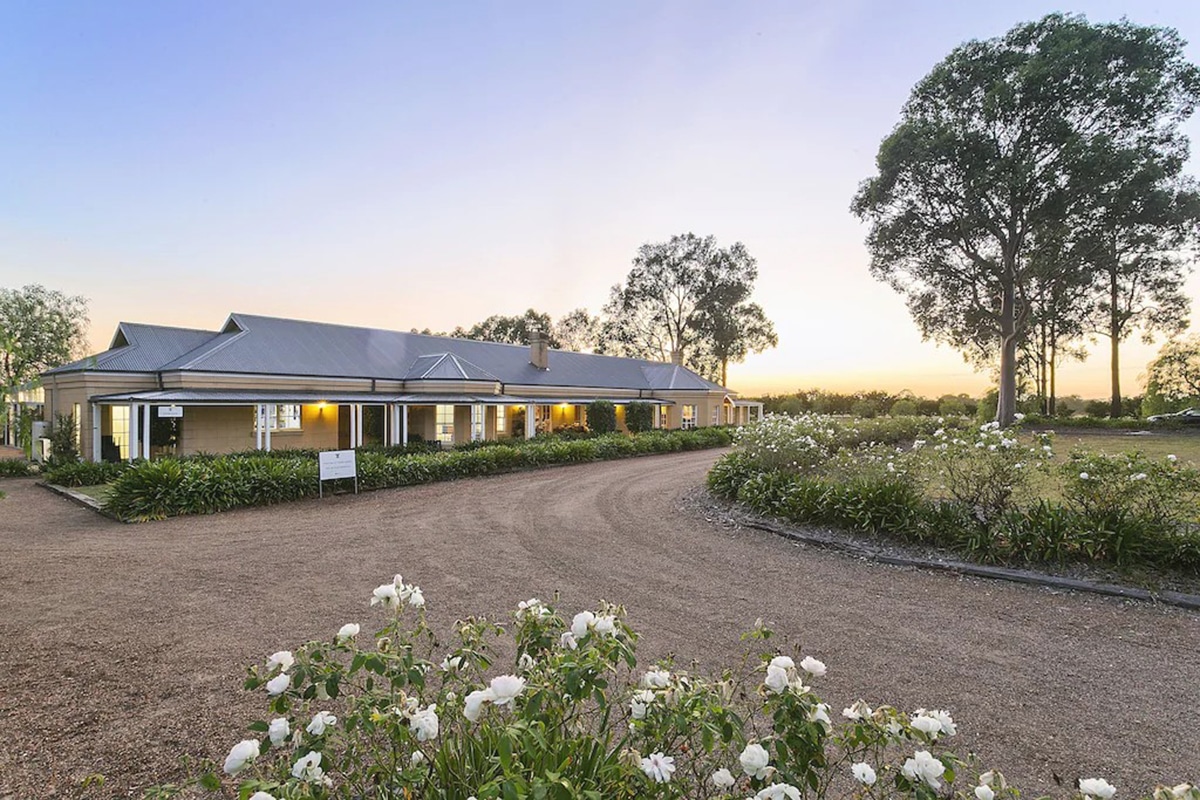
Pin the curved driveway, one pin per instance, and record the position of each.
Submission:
(125, 645)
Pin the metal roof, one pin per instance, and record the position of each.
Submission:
(249, 344)
(247, 396)
(147, 349)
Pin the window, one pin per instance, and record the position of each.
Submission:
(119, 430)
(444, 430)
(477, 432)
(501, 419)
(688, 417)
(716, 415)
(286, 418)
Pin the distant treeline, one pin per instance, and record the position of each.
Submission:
(878, 403)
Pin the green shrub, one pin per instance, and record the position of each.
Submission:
(903, 408)
(639, 417)
(16, 468)
(206, 484)
(601, 416)
(84, 473)
(63, 447)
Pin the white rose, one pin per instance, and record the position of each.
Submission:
(606, 626)
(782, 662)
(473, 705)
(279, 684)
(308, 767)
(505, 688)
(279, 730)
(755, 760)
(567, 641)
(581, 622)
(262, 796)
(820, 713)
(776, 680)
(417, 758)
(863, 773)
(320, 722)
(778, 791)
(1097, 787)
(927, 724)
(923, 766)
(347, 632)
(723, 778)
(451, 663)
(240, 756)
(984, 792)
(656, 679)
(526, 662)
(415, 598)
(283, 659)
(659, 767)
(812, 666)
(386, 595)
(424, 723)
(857, 710)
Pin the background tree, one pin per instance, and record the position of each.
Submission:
(513, 330)
(688, 298)
(40, 328)
(577, 331)
(1144, 219)
(1003, 139)
(1173, 377)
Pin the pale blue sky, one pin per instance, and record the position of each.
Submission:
(405, 165)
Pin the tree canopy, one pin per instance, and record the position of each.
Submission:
(1005, 141)
(688, 298)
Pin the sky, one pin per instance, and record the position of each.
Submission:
(413, 165)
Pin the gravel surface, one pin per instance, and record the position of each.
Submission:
(125, 645)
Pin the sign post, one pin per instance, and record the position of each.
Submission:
(170, 412)
(335, 465)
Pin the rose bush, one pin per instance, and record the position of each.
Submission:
(990, 494)
(574, 718)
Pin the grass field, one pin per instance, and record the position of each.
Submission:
(1184, 444)
(98, 492)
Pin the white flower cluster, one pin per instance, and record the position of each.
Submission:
(395, 594)
(783, 676)
(500, 692)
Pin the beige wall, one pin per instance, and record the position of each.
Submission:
(227, 429)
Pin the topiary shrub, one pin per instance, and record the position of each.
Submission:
(639, 417)
(602, 416)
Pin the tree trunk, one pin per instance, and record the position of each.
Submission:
(1114, 332)
(724, 371)
(1006, 405)
(1053, 399)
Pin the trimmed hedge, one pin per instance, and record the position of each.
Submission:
(16, 468)
(85, 473)
(205, 485)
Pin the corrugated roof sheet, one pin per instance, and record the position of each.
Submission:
(268, 345)
(149, 348)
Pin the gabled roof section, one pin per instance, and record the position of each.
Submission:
(672, 376)
(446, 367)
(140, 348)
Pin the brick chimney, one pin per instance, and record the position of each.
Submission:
(677, 358)
(539, 349)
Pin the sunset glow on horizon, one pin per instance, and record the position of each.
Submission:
(428, 165)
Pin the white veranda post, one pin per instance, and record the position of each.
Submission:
(131, 448)
(530, 421)
(258, 426)
(404, 425)
(270, 417)
(145, 431)
(476, 423)
(95, 433)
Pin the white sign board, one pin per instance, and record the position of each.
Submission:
(338, 464)
(170, 412)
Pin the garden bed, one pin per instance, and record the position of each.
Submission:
(986, 495)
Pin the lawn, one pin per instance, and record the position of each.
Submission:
(1184, 444)
(99, 492)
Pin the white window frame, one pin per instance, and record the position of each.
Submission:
(288, 417)
(687, 417)
(501, 419)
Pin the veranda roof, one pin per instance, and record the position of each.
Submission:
(217, 397)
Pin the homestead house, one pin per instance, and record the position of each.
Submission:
(267, 383)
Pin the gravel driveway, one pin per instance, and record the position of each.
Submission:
(125, 645)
